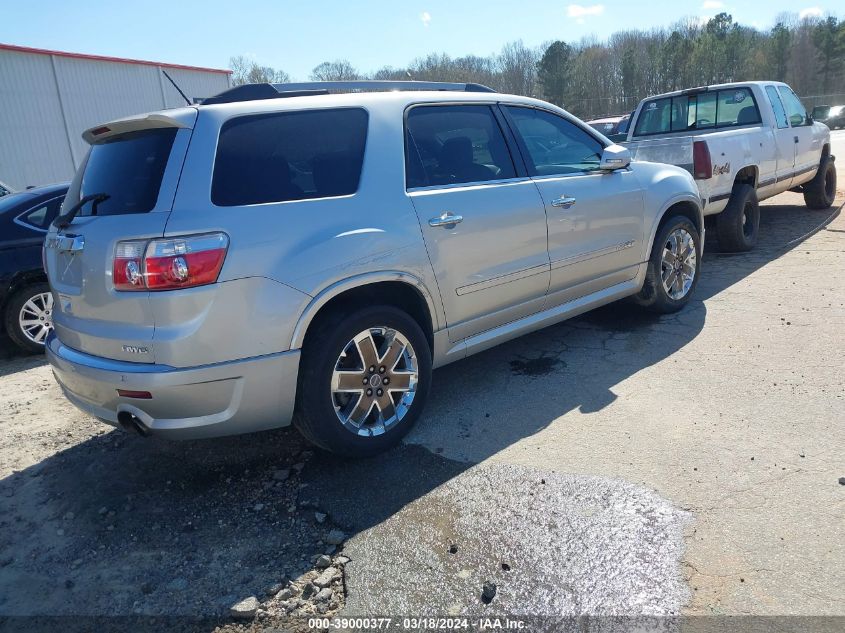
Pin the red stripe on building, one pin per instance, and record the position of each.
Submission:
(104, 58)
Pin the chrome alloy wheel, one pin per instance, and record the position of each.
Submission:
(374, 381)
(36, 317)
(678, 263)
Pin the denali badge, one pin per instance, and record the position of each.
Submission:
(134, 349)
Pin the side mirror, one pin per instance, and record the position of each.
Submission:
(615, 157)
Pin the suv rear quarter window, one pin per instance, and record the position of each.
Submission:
(284, 156)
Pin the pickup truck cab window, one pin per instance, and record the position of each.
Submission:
(554, 145)
(777, 107)
(794, 108)
(455, 144)
(736, 106)
(703, 110)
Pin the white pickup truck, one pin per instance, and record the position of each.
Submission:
(742, 142)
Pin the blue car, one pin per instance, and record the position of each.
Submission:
(26, 304)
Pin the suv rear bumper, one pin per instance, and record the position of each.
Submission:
(228, 398)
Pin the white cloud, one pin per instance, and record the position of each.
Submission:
(810, 12)
(425, 18)
(712, 4)
(581, 12)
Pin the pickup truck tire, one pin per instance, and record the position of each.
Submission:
(654, 295)
(820, 192)
(336, 409)
(739, 224)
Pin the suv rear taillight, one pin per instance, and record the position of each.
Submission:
(170, 263)
(702, 167)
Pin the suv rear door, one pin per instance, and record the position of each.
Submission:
(137, 163)
(483, 224)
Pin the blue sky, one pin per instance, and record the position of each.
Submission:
(296, 36)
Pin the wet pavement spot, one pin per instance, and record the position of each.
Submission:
(574, 545)
(541, 366)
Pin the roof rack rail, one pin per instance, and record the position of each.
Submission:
(251, 92)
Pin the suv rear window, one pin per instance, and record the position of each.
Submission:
(129, 168)
(703, 110)
(289, 156)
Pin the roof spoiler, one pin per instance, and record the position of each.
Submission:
(253, 92)
(133, 124)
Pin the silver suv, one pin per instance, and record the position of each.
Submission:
(310, 252)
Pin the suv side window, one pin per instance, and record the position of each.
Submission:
(454, 144)
(285, 156)
(777, 107)
(555, 145)
(794, 108)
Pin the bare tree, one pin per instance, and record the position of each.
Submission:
(517, 68)
(247, 71)
(338, 70)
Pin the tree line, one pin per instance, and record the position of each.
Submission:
(591, 78)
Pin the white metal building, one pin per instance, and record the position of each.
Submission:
(48, 98)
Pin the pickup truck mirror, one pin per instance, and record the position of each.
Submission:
(615, 157)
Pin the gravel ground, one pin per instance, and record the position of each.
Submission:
(624, 483)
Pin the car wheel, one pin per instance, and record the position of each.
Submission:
(820, 192)
(363, 380)
(673, 267)
(29, 317)
(738, 226)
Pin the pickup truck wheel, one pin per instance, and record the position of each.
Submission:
(363, 380)
(29, 317)
(820, 192)
(673, 267)
(739, 224)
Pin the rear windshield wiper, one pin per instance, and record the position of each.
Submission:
(65, 219)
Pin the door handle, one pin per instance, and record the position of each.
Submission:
(796, 139)
(564, 201)
(446, 219)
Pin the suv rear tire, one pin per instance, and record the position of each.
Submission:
(820, 192)
(35, 302)
(675, 256)
(738, 226)
(340, 412)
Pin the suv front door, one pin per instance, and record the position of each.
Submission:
(595, 218)
(484, 225)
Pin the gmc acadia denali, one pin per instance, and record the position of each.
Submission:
(310, 252)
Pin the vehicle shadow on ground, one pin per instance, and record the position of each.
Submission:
(13, 360)
(119, 524)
